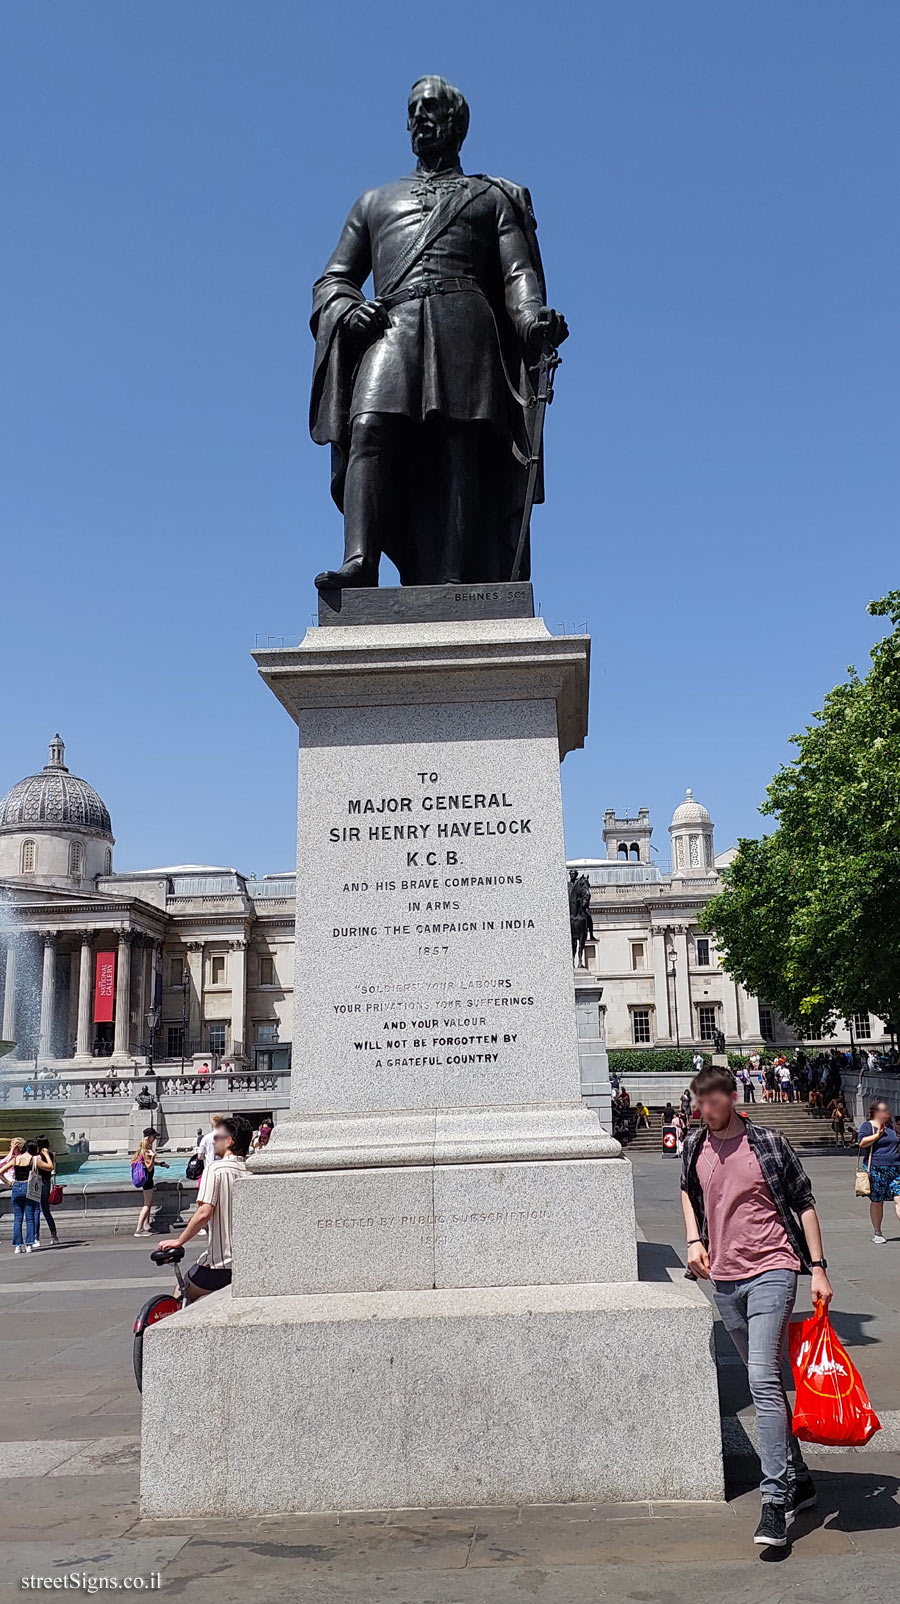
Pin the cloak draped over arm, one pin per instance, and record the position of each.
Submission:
(335, 295)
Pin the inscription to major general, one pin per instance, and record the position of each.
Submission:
(441, 946)
(435, 905)
(429, 830)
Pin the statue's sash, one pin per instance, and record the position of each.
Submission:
(436, 223)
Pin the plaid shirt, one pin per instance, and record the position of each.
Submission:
(782, 1172)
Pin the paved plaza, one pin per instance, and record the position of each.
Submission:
(71, 1418)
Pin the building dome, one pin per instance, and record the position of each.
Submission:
(54, 800)
(691, 832)
(690, 811)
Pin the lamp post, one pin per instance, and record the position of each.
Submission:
(152, 1023)
(857, 1064)
(672, 971)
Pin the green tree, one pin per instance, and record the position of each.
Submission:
(810, 915)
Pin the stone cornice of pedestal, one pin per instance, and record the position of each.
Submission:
(494, 660)
(537, 1133)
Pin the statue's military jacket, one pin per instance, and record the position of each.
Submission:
(443, 353)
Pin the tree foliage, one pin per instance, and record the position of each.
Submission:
(810, 915)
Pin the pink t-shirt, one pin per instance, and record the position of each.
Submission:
(746, 1235)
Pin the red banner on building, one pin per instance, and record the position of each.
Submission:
(104, 988)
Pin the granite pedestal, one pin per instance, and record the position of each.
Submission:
(435, 1282)
(391, 1400)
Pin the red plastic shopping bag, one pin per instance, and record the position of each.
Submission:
(831, 1405)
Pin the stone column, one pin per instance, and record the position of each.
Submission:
(85, 989)
(750, 1006)
(155, 972)
(142, 983)
(195, 996)
(686, 1022)
(48, 996)
(155, 990)
(663, 1033)
(72, 1009)
(593, 1060)
(9, 992)
(122, 1037)
(238, 1000)
(732, 1023)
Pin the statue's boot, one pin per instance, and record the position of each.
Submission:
(353, 573)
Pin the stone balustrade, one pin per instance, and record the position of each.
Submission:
(21, 1090)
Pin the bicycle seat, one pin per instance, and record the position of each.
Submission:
(167, 1255)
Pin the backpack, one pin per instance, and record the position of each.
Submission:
(138, 1173)
(193, 1168)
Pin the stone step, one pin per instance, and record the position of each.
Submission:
(802, 1126)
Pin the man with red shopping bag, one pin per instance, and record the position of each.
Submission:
(752, 1227)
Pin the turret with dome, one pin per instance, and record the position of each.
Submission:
(691, 833)
(54, 828)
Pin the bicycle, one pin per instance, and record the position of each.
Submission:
(158, 1308)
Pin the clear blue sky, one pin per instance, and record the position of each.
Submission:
(716, 186)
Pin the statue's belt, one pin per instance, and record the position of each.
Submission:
(450, 286)
(428, 286)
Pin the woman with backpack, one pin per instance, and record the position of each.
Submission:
(143, 1165)
(28, 1172)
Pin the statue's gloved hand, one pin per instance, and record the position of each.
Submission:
(366, 321)
(544, 327)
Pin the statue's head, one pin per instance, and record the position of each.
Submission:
(573, 874)
(438, 119)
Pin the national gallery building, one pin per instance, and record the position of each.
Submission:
(193, 966)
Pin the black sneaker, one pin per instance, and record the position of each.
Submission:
(801, 1495)
(772, 1529)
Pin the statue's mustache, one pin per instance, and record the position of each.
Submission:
(428, 128)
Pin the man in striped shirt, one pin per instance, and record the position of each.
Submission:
(213, 1212)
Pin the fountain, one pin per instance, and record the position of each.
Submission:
(21, 990)
(21, 1014)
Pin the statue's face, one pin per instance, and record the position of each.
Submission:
(430, 121)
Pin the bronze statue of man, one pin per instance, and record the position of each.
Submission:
(581, 920)
(423, 392)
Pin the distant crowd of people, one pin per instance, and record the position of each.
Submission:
(816, 1082)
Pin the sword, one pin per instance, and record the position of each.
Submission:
(538, 404)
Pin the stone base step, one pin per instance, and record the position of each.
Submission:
(469, 1396)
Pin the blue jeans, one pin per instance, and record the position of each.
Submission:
(24, 1208)
(44, 1208)
(755, 1313)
